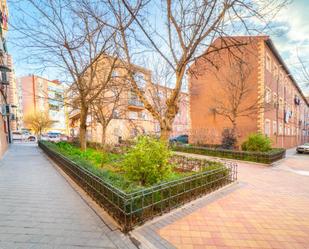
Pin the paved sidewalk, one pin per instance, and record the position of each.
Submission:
(39, 209)
(269, 208)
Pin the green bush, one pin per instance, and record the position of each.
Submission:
(257, 142)
(147, 161)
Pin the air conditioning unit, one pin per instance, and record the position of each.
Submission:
(6, 110)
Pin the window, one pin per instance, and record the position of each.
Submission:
(275, 71)
(280, 129)
(160, 94)
(133, 115)
(4, 77)
(267, 95)
(143, 115)
(157, 127)
(116, 114)
(133, 132)
(268, 63)
(275, 100)
(53, 107)
(267, 127)
(140, 80)
(274, 127)
(115, 74)
(117, 132)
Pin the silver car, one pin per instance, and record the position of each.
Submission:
(303, 148)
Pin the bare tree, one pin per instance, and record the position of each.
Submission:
(38, 122)
(59, 35)
(235, 99)
(109, 105)
(189, 27)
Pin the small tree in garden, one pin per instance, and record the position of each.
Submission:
(148, 161)
(38, 122)
(257, 142)
(229, 139)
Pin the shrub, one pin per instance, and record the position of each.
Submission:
(257, 142)
(228, 139)
(147, 162)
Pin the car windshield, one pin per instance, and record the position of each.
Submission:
(306, 144)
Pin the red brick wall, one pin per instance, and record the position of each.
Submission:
(206, 87)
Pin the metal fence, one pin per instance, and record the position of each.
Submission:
(135, 208)
(261, 157)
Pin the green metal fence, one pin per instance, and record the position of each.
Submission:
(135, 208)
(261, 157)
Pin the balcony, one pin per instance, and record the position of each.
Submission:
(4, 69)
(135, 104)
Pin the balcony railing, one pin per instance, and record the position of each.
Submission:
(134, 102)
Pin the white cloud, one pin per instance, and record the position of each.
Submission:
(291, 36)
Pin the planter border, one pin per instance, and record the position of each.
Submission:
(132, 209)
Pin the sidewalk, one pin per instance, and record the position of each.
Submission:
(39, 209)
(267, 209)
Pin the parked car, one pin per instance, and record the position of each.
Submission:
(303, 148)
(180, 139)
(44, 137)
(53, 137)
(17, 136)
(31, 138)
(22, 136)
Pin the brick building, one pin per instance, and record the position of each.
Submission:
(39, 94)
(4, 82)
(272, 103)
(131, 118)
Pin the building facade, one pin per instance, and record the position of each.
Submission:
(37, 94)
(131, 118)
(4, 82)
(247, 86)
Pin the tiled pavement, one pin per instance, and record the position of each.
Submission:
(39, 209)
(268, 208)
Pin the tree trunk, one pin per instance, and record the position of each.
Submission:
(234, 126)
(103, 138)
(83, 128)
(166, 130)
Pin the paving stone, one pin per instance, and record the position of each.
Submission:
(39, 209)
(269, 209)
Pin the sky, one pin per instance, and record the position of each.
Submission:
(290, 33)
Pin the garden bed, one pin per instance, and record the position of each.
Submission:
(130, 204)
(260, 157)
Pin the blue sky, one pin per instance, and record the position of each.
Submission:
(290, 34)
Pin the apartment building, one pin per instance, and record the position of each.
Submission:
(12, 97)
(4, 83)
(271, 102)
(39, 94)
(131, 118)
